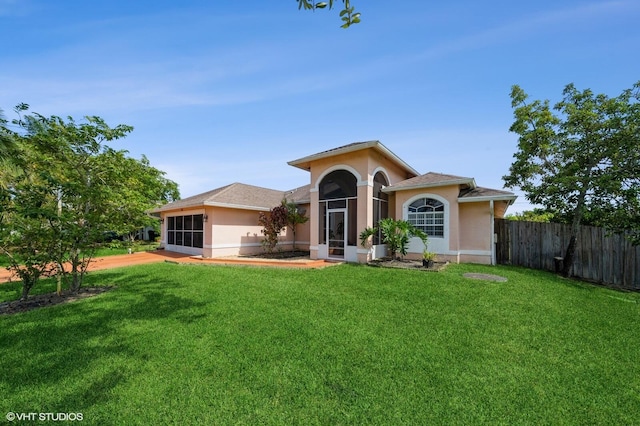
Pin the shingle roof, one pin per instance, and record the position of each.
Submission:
(299, 195)
(236, 195)
(469, 191)
(430, 179)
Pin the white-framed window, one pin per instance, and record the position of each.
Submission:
(427, 214)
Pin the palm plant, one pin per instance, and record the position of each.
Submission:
(396, 234)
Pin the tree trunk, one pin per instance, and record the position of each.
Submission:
(569, 256)
(29, 279)
(575, 229)
(26, 287)
(76, 277)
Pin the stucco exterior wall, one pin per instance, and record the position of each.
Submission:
(476, 232)
(234, 232)
(475, 226)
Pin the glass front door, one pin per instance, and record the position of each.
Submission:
(336, 232)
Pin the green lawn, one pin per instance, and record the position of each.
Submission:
(194, 344)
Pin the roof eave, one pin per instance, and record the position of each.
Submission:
(471, 182)
(169, 208)
(510, 198)
(236, 206)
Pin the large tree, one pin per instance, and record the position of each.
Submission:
(135, 188)
(348, 14)
(70, 191)
(580, 158)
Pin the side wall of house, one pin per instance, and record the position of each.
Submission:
(475, 232)
(233, 232)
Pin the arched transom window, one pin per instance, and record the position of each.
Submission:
(427, 214)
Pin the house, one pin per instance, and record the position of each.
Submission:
(351, 187)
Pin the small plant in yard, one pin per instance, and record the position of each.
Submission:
(273, 222)
(428, 257)
(395, 234)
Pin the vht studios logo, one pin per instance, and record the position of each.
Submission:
(52, 417)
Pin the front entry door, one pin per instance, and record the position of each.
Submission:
(336, 232)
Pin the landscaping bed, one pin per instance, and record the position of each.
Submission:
(388, 262)
(296, 254)
(49, 299)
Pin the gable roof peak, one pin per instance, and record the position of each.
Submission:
(305, 162)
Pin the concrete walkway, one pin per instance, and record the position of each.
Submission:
(157, 256)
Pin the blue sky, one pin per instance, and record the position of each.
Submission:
(229, 91)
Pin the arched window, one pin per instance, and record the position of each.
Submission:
(338, 184)
(380, 203)
(427, 214)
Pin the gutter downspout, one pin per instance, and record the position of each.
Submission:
(493, 234)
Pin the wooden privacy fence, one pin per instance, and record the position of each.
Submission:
(607, 259)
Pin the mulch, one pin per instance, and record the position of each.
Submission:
(50, 299)
(387, 262)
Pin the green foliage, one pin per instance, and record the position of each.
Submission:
(348, 14)
(7, 141)
(535, 215)
(70, 190)
(395, 234)
(582, 155)
(428, 255)
(274, 223)
(294, 218)
(137, 187)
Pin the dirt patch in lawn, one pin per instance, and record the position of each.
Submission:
(50, 299)
(387, 262)
(485, 277)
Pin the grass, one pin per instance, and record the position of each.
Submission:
(107, 249)
(123, 248)
(193, 344)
